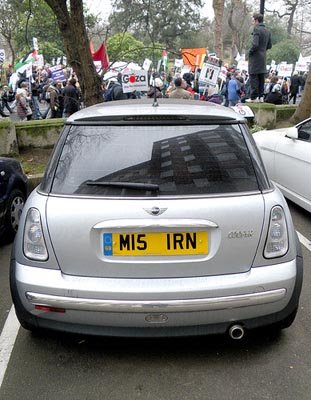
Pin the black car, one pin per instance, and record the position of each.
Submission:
(13, 193)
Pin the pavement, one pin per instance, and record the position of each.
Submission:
(14, 117)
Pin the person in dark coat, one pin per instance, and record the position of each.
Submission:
(71, 97)
(275, 96)
(257, 68)
(295, 82)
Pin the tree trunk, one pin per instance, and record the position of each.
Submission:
(72, 27)
(304, 108)
(218, 6)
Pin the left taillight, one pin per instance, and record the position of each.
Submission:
(277, 238)
(34, 243)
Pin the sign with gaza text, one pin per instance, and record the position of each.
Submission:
(285, 69)
(209, 73)
(134, 80)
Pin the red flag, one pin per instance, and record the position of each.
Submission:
(101, 55)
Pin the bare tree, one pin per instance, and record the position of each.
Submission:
(9, 18)
(289, 13)
(71, 24)
(218, 6)
(238, 21)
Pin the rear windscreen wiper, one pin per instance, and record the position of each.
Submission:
(126, 185)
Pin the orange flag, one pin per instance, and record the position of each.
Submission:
(194, 57)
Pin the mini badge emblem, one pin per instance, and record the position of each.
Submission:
(155, 210)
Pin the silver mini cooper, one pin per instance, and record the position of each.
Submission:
(156, 221)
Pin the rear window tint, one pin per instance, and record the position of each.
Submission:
(153, 161)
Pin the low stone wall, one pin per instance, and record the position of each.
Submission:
(269, 115)
(41, 133)
(16, 135)
(8, 139)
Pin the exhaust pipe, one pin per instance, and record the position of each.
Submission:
(236, 332)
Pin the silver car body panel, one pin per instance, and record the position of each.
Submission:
(167, 107)
(83, 233)
(210, 299)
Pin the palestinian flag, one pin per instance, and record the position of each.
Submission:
(29, 57)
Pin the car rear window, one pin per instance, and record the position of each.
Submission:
(153, 161)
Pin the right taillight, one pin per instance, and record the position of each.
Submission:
(277, 238)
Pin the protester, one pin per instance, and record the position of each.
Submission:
(234, 93)
(60, 89)
(213, 95)
(6, 98)
(224, 89)
(275, 96)
(23, 102)
(54, 100)
(295, 82)
(35, 93)
(189, 78)
(46, 96)
(284, 90)
(71, 97)
(257, 67)
(269, 85)
(180, 91)
(156, 89)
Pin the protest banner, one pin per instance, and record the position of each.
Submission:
(209, 74)
(178, 63)
(57, 73)
(242, 65)
(285, 69)
(147, 63)
(134, 80)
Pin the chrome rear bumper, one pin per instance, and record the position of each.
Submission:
(143, 306)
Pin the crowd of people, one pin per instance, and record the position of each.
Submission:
(229, 92)
(40, 96)
(63, 97)
(60, 99)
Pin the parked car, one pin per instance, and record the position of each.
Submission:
(286, 154)
(13, 193)
(156, 221)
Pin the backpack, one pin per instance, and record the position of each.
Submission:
(117, 93)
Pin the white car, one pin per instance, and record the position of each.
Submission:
(286, 154)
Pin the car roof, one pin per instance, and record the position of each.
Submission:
(125, 109)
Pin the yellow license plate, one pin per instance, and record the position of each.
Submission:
(155, 244)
